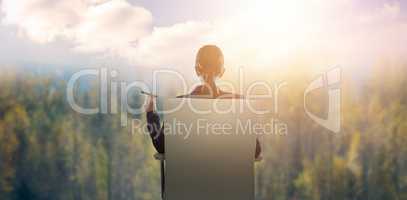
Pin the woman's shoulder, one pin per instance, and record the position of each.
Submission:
(223, 95)
(200, 93)
(229, 95)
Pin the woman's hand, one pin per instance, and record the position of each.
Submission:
(151, 104)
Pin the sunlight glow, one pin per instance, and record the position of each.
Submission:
(276, 28)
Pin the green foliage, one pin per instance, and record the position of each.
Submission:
(367, 160)
(49, 152)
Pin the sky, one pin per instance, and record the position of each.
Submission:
(151, 34)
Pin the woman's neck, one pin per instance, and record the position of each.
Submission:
(210, 85)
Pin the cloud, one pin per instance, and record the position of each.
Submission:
(171, 45)
(92, 25)
(389, 12)
(263, 34)
(108, 27)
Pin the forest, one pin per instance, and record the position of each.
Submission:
(50, 152)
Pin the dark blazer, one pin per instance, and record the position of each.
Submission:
(157, 132)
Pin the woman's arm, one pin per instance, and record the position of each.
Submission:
(258, 148)
(154, 126)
